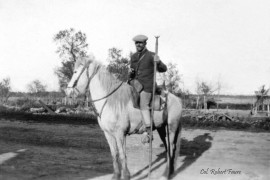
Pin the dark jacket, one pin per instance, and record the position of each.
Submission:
(144, 69)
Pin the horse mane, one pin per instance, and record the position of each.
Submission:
(121, 97)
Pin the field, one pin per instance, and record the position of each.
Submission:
(237, 99)
(48, 149)
(53, 151)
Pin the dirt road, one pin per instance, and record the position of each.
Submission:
(61, 152)
(223, 155)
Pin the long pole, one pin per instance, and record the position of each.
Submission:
(152, 109)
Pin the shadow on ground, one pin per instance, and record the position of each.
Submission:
(191, 149)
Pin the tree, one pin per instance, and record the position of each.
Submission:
(203, 89)
(118, 64)
(171, 77)
(71, 46)
(5, 89)
(36, 87)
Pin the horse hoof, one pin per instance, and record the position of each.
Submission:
(116, 177)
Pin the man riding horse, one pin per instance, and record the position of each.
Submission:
(142, 69)
(114, 106)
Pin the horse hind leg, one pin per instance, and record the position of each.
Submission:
(177, 145)
(162, 134)
(115, 156)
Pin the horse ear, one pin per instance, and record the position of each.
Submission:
(87, 63)
(89, 59)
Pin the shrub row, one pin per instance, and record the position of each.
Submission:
(259, 124)
(84, 119)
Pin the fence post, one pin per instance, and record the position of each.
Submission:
(268, 110)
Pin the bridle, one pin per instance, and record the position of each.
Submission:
(86, 66)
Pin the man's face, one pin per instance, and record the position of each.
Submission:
(140, 46)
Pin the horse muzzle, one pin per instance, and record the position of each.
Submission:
(71, 92)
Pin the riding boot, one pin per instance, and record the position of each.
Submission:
(147, 123)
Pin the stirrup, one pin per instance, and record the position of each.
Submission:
(146, 138)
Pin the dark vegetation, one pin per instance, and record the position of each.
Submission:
(18, 115)
(251, 124)
(254, 124)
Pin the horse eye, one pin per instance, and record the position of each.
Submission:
(74, 71)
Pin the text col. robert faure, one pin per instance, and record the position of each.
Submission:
(220, 171)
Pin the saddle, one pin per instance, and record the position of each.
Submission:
(159, 105)
(159, 98)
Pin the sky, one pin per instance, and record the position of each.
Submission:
(225, 41)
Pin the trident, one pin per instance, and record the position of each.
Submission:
(152, 108)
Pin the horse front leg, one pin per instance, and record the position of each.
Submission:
(121, 143)
(115, 156)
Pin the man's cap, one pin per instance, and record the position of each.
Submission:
(140, 38)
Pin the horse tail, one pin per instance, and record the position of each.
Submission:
(178, 143)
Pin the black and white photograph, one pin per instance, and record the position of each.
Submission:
(134, 89)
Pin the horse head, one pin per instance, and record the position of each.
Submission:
(84, 69)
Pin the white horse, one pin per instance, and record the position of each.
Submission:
(118, 118)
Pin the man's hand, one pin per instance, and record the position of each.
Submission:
(156, 59)
(131, 70)
(131, 73)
